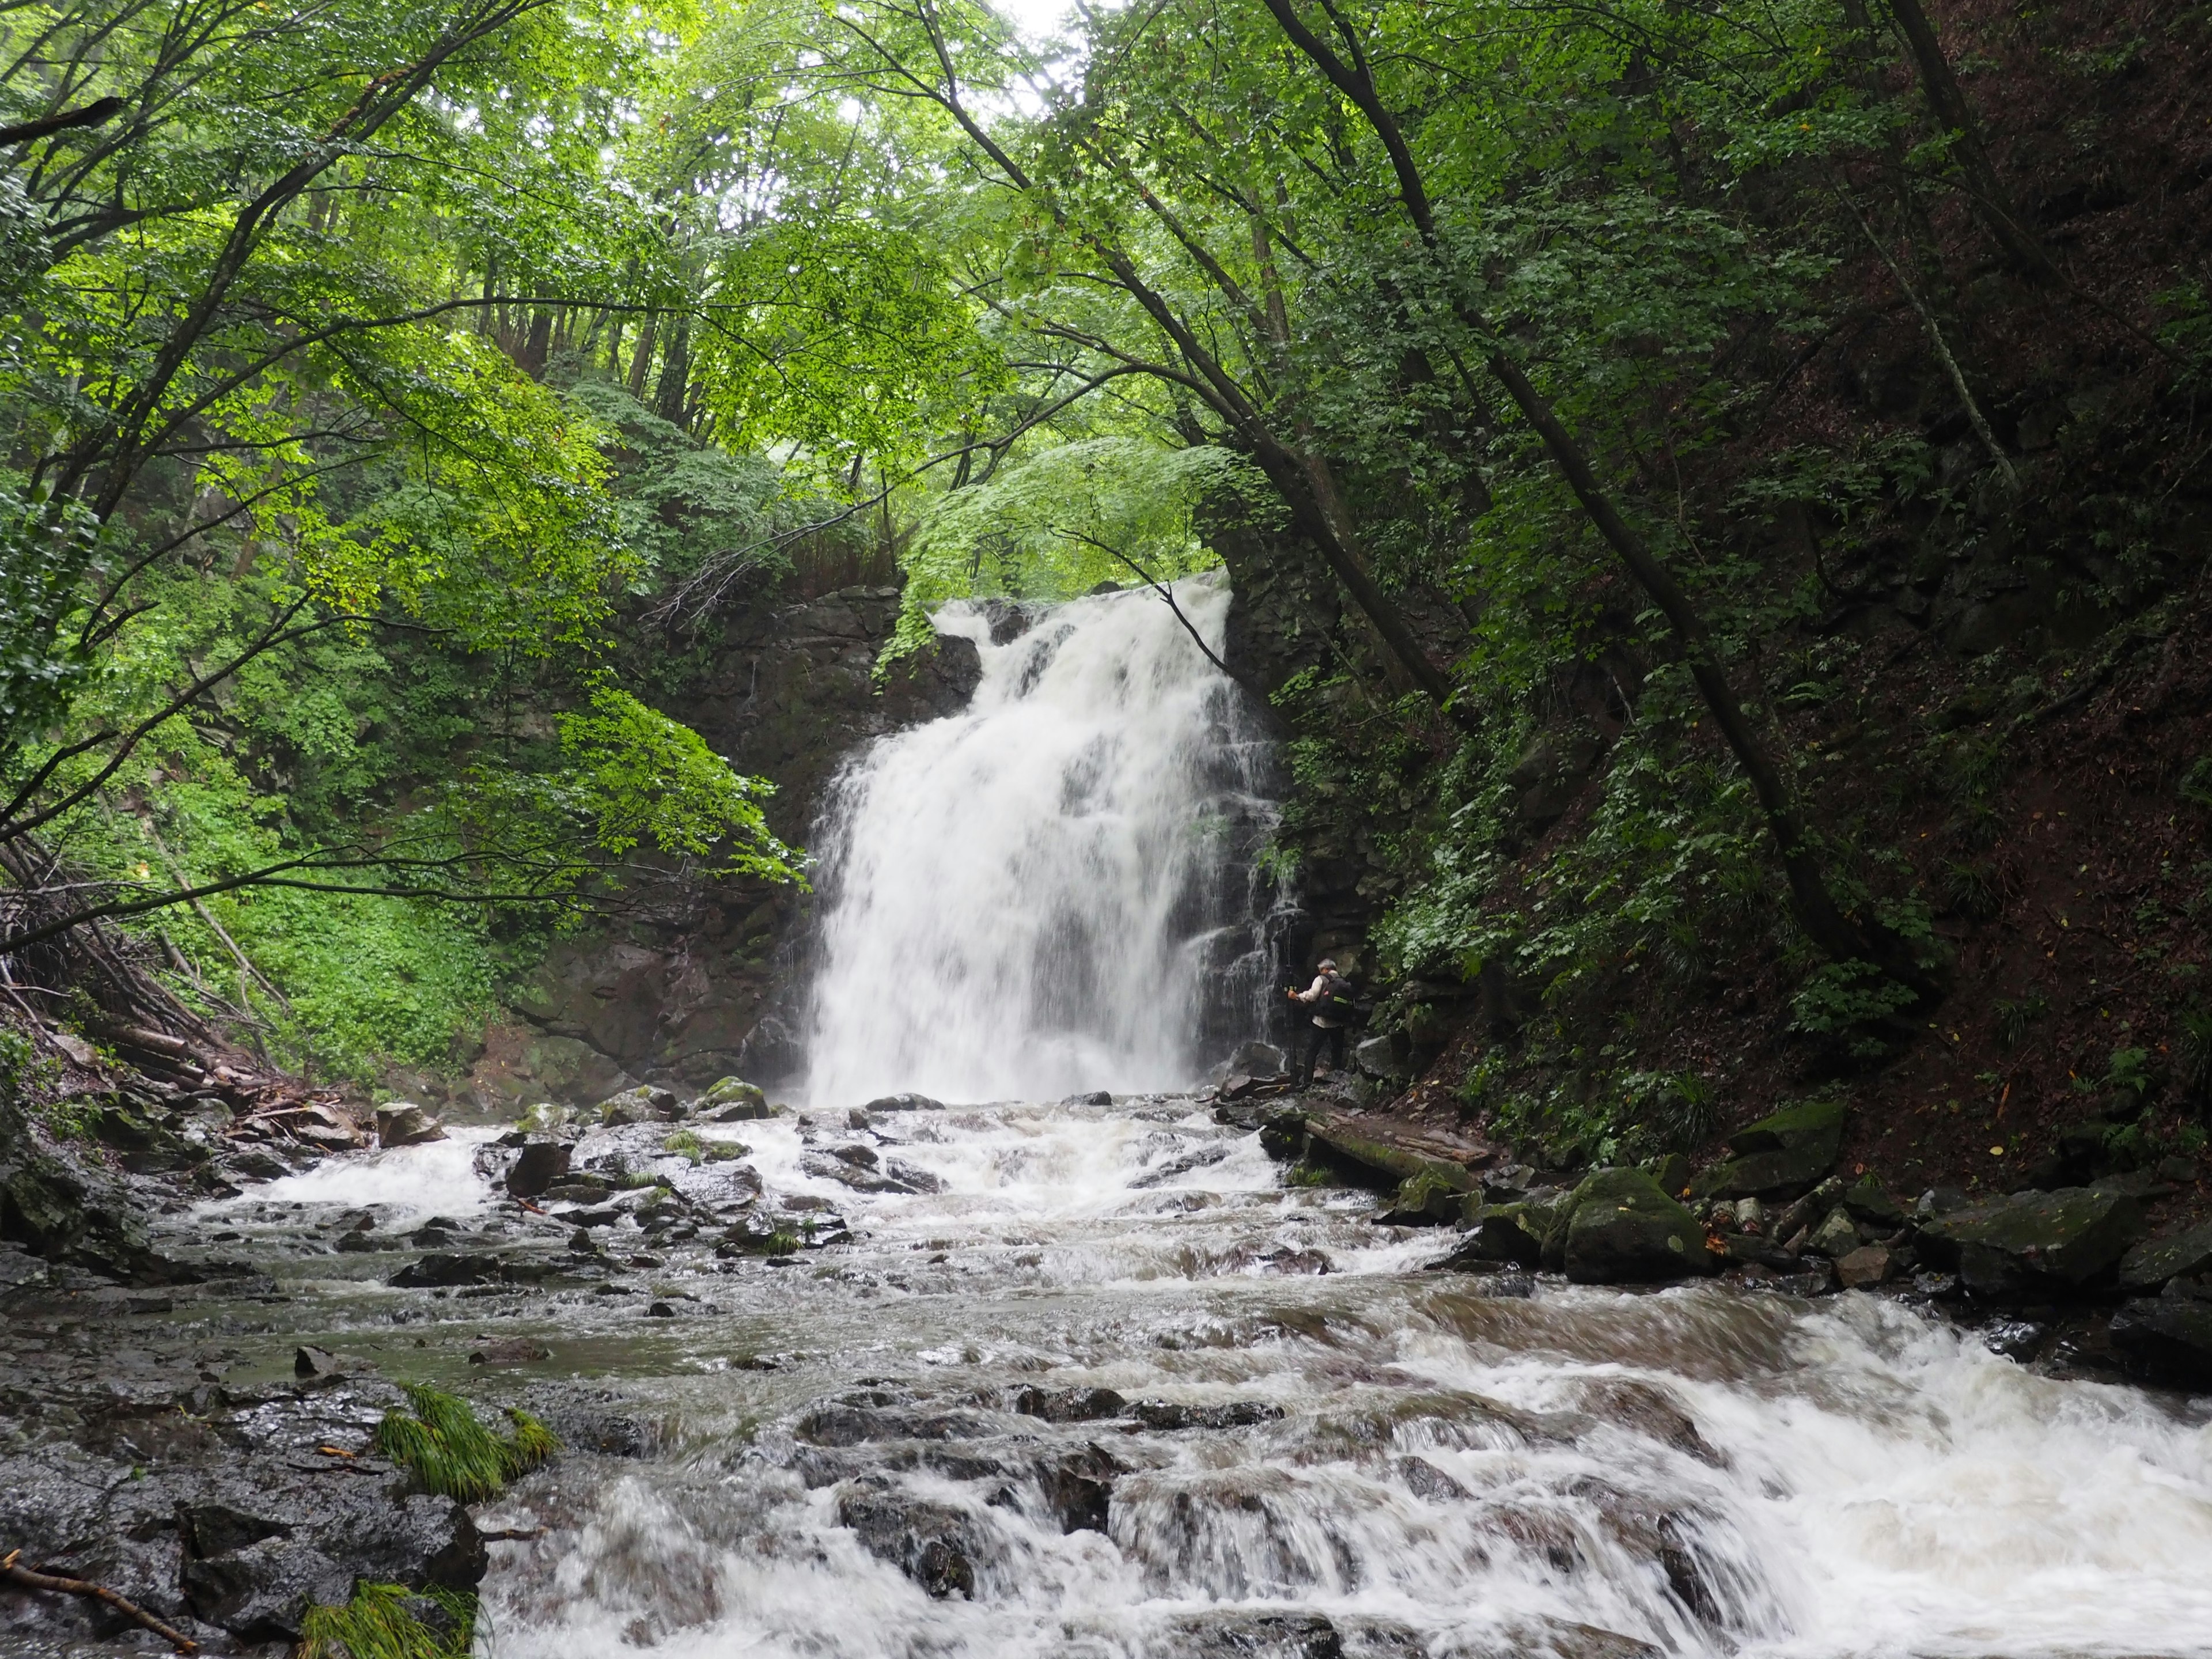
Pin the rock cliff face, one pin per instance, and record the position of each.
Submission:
(684, 998)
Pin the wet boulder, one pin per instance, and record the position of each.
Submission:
(1069, 1405)
(1493, 1235)
(904, 1103)
(442, 1268)
(1780, 1156)
(1253, 1635)
(644, 1104)
(933, 1544)
(2064, 1239)
(402, 1123)
(64, 1209)
(1618, 1227)
(1174, 1414)
(2168, 1339)
(542, 1161)
(731, 1100)
(2180, 1256)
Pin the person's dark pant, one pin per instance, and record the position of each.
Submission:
(1316, 1036)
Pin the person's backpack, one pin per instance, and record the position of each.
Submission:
(1335, 1001)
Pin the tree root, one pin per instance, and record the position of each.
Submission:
(24, 1578)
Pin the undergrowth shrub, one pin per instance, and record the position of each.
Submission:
(438, 1437)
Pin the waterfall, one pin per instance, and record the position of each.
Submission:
(1052, 890)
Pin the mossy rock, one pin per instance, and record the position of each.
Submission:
(1780, 1156)
(1500, 1235)
(1424, 1201)
(2069, 1238)
(1619, 1227)
(2155, 1261)
(1870, 1201)
(733, 1100)
(1381, 1162)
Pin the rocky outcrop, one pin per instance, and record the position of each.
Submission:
(788, 693)
(216, 1511)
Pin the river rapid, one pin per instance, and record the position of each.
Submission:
(895, 1445)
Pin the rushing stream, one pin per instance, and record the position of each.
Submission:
(1367, 1460)
(1088, 1381)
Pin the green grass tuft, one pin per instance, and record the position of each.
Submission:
(384, 1621)
(438, 1437)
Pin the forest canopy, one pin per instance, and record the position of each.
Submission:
(382, 379)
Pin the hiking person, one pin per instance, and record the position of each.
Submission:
(1330, 998)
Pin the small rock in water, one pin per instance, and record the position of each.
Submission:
(1171, 1414)
(508, 1351)
(1070, 1405)
(904, 1103)
(1095, 1097)
(2015, 1338)
(1424, 1480)
(310, 1361)
(661, 1310)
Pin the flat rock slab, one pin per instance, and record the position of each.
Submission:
(2069, 1238)
(1393, 1150)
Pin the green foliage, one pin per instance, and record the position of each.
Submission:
(381, 1622)
(2193, 1051)
(2016, 1017)
(437, 1436)
(642, 777)
(2196, 784)
(1848, 1002)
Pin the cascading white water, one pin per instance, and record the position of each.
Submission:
(1051, 891)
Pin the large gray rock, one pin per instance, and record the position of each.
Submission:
(1778, 1157)
(644, 1104)
(402, 1123)
(191, 1527)
(2155, 1261)
(62, 1208)
(2166, 1338)
(1618, 1227)
(2064, 1239)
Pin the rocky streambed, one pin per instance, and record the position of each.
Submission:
(1110, 1376)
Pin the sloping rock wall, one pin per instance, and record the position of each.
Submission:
(787, 694)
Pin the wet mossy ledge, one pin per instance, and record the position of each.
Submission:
(2109, 1269)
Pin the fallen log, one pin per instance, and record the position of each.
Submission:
(24, 1578)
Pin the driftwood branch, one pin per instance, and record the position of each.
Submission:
(24, 1578)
